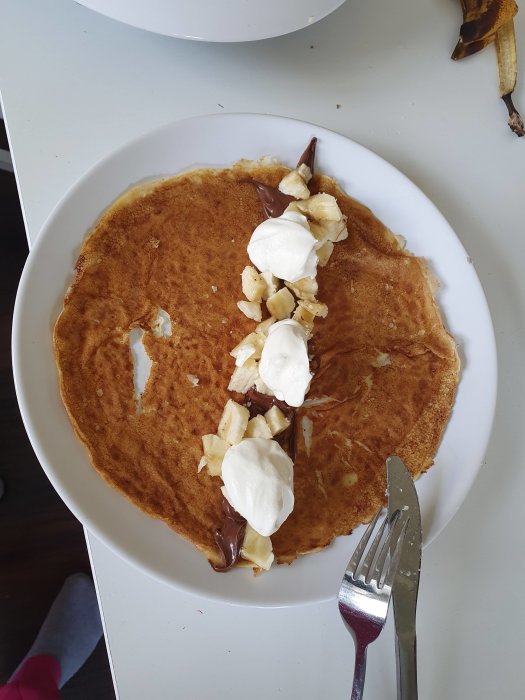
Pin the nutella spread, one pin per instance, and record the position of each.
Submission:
(273, 201)
(229, 537)
(308, 156)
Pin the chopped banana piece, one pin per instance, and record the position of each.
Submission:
(337, 230)
(271, 282)
(242, 353)
(261, 387)
(258, 428)
(253, 285)
(281, 304)
(305, 288)
(306, 319)
(257, 549)
(262, 328)
(321, 207)
(244, 377)
(251, 309)
(318, 231)
(233, 423)
(316, 308)
(305, 172)
(276, 420)
(329, 230)
(294, 185)
(324, 253)
(250, 346)
(214, 449)
(327, 222)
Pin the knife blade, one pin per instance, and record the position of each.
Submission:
(402, 495)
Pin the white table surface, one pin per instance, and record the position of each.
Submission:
(75, 85)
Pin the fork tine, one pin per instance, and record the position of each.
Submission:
(385, 549)
(354, 562)
(366, 568)
(394, 559)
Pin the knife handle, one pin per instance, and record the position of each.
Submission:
(406, 667)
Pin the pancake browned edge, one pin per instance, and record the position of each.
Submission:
(385, 361)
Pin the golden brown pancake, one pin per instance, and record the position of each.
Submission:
(385, 361)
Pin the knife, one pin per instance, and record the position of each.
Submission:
(402, 496)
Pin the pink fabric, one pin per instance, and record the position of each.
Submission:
(36, 679)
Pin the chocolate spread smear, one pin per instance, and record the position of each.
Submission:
(258, 403)
(229, 537)
(308, 156)
(273, 201)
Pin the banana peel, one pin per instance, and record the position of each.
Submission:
(485, 22)
(507, 65)
(481, 21)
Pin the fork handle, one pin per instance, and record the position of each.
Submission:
(359, 671)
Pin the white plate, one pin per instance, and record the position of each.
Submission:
(216, 20)
(220, 140)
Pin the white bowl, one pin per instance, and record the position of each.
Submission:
(216, 20)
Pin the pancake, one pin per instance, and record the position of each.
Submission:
(386, 369)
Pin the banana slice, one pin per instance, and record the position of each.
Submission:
(258, 428)
(253, 285)
(324, 253)
(262, 328)
(306, 319)
(257, 549)
(234, 422)
(250, 346)
(329, 230)
(316, 308)
(305, 288)
(324, 207)
(276, 420)
(327, 222)
(251, 309)
(281, 304)
(320, 207)
(294, 185)
(242, 352)
(214, 449)
(244, 377)
(305, 172)
(272, 284)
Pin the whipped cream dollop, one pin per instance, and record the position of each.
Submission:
(284, 246)
(258, 482)
(284, 365)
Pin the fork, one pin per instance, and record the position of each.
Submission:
(366, 588)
